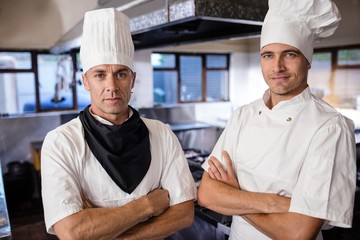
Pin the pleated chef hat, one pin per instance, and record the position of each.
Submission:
(106, 39)
(299, 23)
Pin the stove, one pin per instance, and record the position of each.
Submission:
(207, 224)
(196, 158)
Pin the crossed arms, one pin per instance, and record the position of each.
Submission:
(148, 217)
(220, 191)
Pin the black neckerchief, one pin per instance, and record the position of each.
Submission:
(122, 150)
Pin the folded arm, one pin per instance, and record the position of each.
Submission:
(286, 225)
(108, 223)
(172, 220)
(219, 190)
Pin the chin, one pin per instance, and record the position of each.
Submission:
(280, 91)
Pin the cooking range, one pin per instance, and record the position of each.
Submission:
(207, 224)
(196, 158)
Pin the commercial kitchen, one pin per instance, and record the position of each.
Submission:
(196, 61)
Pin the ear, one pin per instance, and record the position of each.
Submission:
(133, 80)
(85, 82)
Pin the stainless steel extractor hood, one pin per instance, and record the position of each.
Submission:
(158, 23)
(191, 21)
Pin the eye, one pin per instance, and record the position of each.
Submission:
(99, 75)
(122, 75)
(266, 55)
(291, 54)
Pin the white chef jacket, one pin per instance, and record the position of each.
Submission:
(69, 168)
(302, 148)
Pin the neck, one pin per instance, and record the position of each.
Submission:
(116, 118)
(275, 98)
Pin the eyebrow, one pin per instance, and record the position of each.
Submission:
(123, 69)
(100, 70)
(282, 52)
(292, 50)
(266, 52)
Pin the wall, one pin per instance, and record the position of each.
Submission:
(246, 81)
(143, 90)
(348, 32)
(38, 24)
(16, 135)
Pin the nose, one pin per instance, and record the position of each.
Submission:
(278, 64)
(111, 85)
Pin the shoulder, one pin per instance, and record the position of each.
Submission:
(331, 115)
(159, 131)
(67, 131)
(155, 125)
(247, 110)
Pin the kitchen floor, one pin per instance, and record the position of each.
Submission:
(27, 223)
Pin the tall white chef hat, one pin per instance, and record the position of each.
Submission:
(299, 23)
(106, 39)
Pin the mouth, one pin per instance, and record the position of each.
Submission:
(279, 78)
(113, 99)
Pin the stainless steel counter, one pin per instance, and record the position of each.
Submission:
(190, 126)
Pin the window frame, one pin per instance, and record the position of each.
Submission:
(204, 71)
(34, 69)
(334, 52)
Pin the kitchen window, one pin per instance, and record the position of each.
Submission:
(335, 76)
(17, 82)
(185, 78)
(58, 90)
(35, 81)
(55, 81)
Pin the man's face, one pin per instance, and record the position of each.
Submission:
(110, 90)
(285, 70)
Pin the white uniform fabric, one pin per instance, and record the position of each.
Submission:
(69, 168)
(302, 148)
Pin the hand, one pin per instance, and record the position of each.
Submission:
(159, 201)
(217, 171)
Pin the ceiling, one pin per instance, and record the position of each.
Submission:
(44, 24)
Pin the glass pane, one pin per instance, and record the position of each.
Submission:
(17, 93)
(349, 57)
(26, 92)
(191, 78)
(78, 63)
(347, 88)
(319, 75)
(161, 60)
(217, 86)
(165, 87)
(216, 61)
(55, 81)
(83, 95)
(15, 60)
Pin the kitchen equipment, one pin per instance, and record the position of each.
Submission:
(207, 224)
